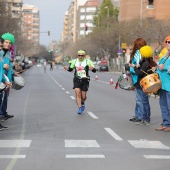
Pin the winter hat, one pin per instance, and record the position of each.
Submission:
(146, 51)
(9, 36)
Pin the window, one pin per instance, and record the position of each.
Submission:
(150, 2)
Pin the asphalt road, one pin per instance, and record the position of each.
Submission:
(47, 134)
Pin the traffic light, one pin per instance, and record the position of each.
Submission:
(124, 51)
(48, 33)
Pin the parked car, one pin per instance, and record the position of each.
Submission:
(103, 67)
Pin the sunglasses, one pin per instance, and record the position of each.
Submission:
(168, 42)
(81, 55)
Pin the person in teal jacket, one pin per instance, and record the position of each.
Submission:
(135, 58)
(1, 72)
(7, 74)
(164, 74)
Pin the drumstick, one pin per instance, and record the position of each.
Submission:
(144, 72)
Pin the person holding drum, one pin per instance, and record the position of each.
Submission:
(145, 68)
(163, 70)
(1, 74)
(7, 72)
(134, 61)
(81, 78)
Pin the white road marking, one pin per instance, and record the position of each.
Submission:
(81, 143)
(72, 97)
(14, 143)
(63, 88)
(67, 92)
(148, 144)
(113, 134)
(92, 115)
(12, 156)
(85, 156)
(157, 156)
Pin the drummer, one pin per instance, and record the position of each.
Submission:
(145, 67)
(164, 73)
(7, 79)
(1, 75)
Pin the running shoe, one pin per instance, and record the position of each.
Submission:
(83, 107)
(79, 110)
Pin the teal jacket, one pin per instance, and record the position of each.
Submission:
(6, 60)
(164, 74)
(135, 61)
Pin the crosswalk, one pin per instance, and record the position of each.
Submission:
(86, 144)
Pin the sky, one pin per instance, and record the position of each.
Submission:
(51, 18)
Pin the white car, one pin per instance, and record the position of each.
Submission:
(39, 65)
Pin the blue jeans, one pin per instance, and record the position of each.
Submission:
(142, 108)
(164, 102)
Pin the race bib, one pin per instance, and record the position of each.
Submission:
(81, 73)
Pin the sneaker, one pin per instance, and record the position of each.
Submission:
(79, 110)
(82, 107)
(8, 116)
(147, 123)
(132, 119)
(141, 122)
(4, 127)
(1, 127)
(3, 118)
(137, 120)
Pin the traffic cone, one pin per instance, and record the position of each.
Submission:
(96, 78)
(111, 80)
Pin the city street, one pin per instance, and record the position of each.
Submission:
(46, 132)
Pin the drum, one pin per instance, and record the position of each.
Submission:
(151, 83)
(18, 83)
(125, 82)
(2, 87)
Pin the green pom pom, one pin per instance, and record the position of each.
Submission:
(9, 36)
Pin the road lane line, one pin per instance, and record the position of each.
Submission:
(12, 156)
(85, 156)
(157, 156)
(81, 143)
(148, 144)
(22, 135)
(67, 92)
(72, 97)
(113, 134)
(92, 115)
(14, 143)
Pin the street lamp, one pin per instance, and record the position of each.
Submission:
(107, 17)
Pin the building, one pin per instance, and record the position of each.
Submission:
(31, 23)
(157, 9)
(85, 18)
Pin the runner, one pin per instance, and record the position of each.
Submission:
(81, 78)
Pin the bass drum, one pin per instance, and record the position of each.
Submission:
(2, 87)
(18, 83)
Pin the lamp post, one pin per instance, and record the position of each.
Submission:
(141, 12)
(107, 17)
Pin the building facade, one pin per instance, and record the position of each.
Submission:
(157, 9)
(31, 23)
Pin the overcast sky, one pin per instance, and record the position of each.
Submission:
(51, 18)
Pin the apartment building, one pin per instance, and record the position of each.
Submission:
(85, 18)
(31, 23)
(130, 9)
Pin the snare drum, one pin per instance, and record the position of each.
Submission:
(18, 83)
(125, 82)
(151, 83)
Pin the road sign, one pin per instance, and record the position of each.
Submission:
(124, 45)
